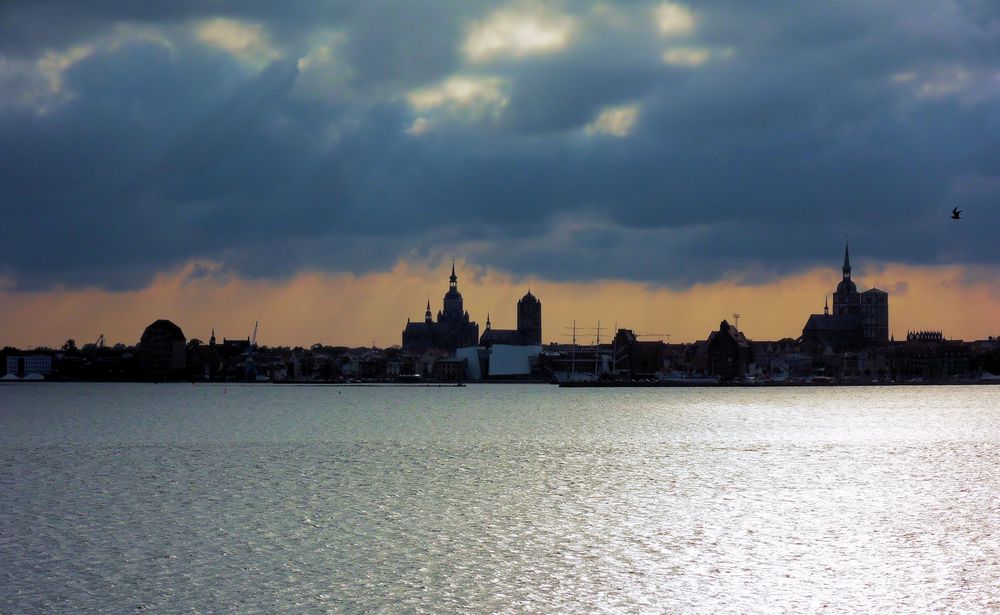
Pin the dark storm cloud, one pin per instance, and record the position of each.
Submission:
(347, 135)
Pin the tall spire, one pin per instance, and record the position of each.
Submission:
(847, 261)
(427, 314)
(453, 280)
(488, 325)
(826, 305)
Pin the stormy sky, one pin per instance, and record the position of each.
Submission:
(654, 142)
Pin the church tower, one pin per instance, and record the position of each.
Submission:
(453, 309)
(529, 320)
(846, 299)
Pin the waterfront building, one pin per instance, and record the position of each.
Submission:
(636, 359)
(858, 318)
(728, 353)
(928, 356)
(162, 350)
(24, 365)
(453, 328)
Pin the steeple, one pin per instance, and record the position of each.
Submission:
(847, 262)
(488, 325)
(826, 305)
(453, 309)
(211, 340)
(427, 314)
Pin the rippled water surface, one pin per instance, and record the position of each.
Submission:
(498, 499)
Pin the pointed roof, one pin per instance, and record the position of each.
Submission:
(847, 259)
(453, 294)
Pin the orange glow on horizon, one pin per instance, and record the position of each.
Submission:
(351, 310)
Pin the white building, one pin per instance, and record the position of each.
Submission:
(22, 365)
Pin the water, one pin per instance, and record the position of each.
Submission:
(511, 499)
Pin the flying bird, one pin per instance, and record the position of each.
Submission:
(956, 214)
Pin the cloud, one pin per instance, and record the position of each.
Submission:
(686, 56)
(615, 121)
(248, 42)
(687, 143)
(419, 126)
(53, 64)
(469, 95)
(517, 33)
(674, 19)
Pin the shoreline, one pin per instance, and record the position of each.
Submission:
(571, 385)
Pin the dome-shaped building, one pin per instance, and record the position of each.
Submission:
(162, 350)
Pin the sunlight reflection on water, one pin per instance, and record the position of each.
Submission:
(498, 499)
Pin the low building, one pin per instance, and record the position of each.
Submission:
(728, 353)
(23, 365)
(928, 356)
(635, 359)
(511, 362)
(450, 369)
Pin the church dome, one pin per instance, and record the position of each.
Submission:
(529, 298)
(847, 286)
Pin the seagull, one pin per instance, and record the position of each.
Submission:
(956, 214)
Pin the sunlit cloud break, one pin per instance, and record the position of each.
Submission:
(469, 95)
(515, 33)
(686, 56)
(615, 121)
(247, 41)
(674, 19)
